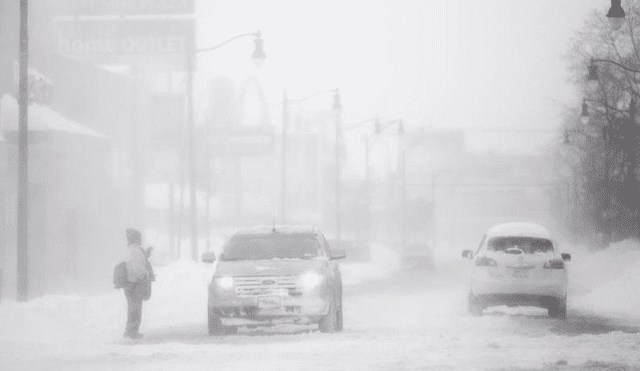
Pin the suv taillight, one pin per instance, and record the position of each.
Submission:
(484, 261)
(554, 264)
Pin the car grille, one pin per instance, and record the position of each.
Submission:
(250, 286)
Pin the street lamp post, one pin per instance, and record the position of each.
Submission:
(337, 107)
(367, 149)
(283, 165)
(283, 151)
(23, 160)
(258, 56)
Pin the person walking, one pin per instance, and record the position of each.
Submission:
(139, 276)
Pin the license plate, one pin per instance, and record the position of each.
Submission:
(269, 302)
(520, 273)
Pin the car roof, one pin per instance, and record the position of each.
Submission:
(280, 229)
(519, 229)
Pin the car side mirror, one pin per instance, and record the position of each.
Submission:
(566, 256)
(208, 257)
(467, 254)
(338, 253)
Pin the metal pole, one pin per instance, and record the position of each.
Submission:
(433, 211)
(23, 160)
(207, 207)
(404, 199)
(607, 186)
(192, 159)
(338, 111)
(283, 170)
(368, 189)
(170, 178)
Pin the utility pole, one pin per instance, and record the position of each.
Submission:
(433, 210)
(337, 106)
(368, 189)
(191, 144)
(23, 160)
(404, 199)
(285, 124)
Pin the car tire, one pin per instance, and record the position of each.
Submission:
(339, 317)
(558, 308)
(329, 322)
(216, 328)
(473, 306)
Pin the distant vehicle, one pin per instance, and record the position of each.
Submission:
(271, 275)
(517, 264)
(417, 257)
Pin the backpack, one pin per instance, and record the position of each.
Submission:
(120, 279)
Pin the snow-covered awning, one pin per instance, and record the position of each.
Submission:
(41, 118)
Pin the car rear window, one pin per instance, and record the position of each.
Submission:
(271, 246)
(528, 245)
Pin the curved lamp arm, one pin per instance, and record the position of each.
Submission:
(256, 34)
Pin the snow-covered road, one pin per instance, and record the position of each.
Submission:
(393, 321)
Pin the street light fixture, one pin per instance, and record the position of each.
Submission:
(380, 128)
(584, 116)
(258, 57)
(616, 14)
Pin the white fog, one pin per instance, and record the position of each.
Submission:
(338, 185)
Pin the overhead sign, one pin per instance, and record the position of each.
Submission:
(238, 141)
(106, 38)
(122, 7)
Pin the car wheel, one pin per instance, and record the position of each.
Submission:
(558, 308)
(329, 323)
(339, 318)
(473, 307)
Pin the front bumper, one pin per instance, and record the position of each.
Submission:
(268, 308)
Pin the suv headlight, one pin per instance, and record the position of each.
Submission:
(224, 282)
(311, 280)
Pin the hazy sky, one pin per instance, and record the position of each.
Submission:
(453, 63)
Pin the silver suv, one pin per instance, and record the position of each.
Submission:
(271, 275)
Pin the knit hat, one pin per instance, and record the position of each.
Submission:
(134, 237)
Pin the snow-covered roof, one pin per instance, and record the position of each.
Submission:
(283, 229)
(41, 118)
(519, 229)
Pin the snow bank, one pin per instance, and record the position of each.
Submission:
(607, 281)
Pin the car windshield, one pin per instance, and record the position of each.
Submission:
(528, 245)
(272, 246)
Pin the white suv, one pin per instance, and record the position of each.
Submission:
(517, 264)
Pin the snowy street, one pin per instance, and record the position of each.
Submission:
(393, 321)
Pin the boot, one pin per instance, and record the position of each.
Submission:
(133, 335)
